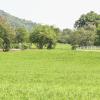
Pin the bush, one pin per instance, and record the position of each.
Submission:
(24, 46)
(6, 44)
(74, 47)
(15, 46)
(1, 43)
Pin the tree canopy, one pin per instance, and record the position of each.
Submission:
(90, 18)
(44, 35)
(6, 34)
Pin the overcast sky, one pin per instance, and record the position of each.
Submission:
(61, 13)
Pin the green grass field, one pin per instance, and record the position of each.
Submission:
(59, 74)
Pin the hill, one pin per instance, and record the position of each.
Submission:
(16, 22)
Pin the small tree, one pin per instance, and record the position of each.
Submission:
(97, 40)
(21, 35)
(6, 34)
(43, 35)
(6, 44)
(1, 43)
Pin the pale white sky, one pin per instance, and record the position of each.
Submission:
(61, 13)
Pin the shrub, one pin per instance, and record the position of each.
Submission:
(16, 46)
(74, 47)
(24, 46)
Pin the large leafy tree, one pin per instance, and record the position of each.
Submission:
(44, 35)
(90, 23)
(89, 19)
(82, 37)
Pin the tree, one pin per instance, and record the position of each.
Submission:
(6, 33)
(89, 33)
(88, 19)
(44, 35)
(1, 43)
(63, 37)
(82, 37)
(6, 44)
(22, 35)
(97, 40)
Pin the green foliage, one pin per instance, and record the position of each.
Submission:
(91, 23)
(97, 40)
(25, 46)
(1, 43)
(82, 37)
(15, 46)
(6, 34)
(85, 20)
(74, 47)
(6, 44)
(22, 35)
(43, 35)
(64, 36)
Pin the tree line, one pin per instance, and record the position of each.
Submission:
(43, 36)
(86, 32)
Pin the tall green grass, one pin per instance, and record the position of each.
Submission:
(59, 74)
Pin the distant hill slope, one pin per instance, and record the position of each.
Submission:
(16, 22)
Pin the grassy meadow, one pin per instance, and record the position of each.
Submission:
(59, 74)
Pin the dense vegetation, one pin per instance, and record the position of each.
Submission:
(86, 32)
(15, 35)
(44, 35)
(24, 33)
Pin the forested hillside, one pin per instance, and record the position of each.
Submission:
(16, 22)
